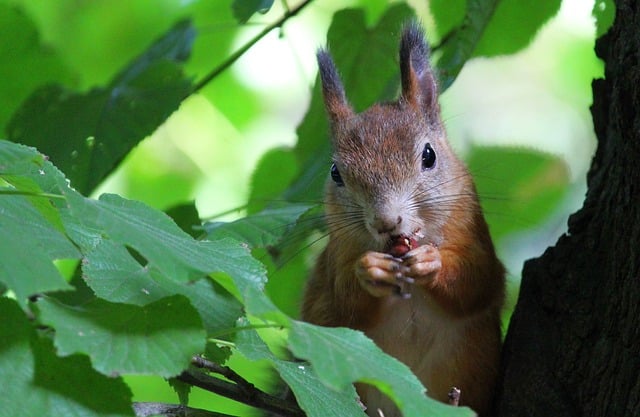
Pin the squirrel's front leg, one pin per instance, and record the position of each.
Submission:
(381, 274)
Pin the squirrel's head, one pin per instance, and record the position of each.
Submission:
(393, 172)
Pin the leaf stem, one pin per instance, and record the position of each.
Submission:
(237, 54)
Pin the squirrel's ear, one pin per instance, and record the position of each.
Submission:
(419, 87)
(335, 100)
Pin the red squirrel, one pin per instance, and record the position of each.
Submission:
(395, 186)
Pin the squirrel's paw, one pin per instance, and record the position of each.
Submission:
(422, 262)
(381, 274)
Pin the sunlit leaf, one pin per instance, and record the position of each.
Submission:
(42, 383)
(159, 338)
(88, 134)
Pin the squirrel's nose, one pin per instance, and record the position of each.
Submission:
(384, 225)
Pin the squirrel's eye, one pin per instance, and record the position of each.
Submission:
(335, 175)
(428, 157)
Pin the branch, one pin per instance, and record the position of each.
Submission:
(239, 389)
(145, 409)
(225, 371)
(237, 54)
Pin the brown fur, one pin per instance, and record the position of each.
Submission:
(448, 332)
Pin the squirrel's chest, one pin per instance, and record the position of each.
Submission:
(415, 332)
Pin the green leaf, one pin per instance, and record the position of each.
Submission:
(485, 28)
(244, 9)
(447, 16)
(504, 36)
(366, 59)
(461, 41)
(27, 63)
(111, 232)
(42, 383)
(186, 216)
(88, 134)
(159, 338)
(217, 353)
(605, 12)
(156, 238)
(259, 230)
(314, 397)
(275, 171)
(537, 184)
(114, 275)
(282, 235)
(341, 356)
(31, 223)
(28, 248)
(29, 174)
(258, 304)
(251, 345)
(182, 389)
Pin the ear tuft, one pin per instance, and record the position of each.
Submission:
(335, 100)
(419, 87)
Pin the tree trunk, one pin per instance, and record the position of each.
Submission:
(573, 345)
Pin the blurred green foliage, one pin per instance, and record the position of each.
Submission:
(107, 90)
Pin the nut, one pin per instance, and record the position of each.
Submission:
(401, 245)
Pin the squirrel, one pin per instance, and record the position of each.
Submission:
(409, 259)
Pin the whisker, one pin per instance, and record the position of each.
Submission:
(338, 232)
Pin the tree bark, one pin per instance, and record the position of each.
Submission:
(573, 344)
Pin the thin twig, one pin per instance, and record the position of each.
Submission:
(237, 54)
(250, 396)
